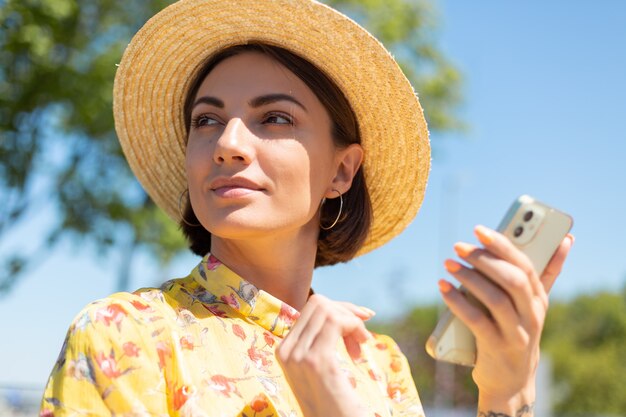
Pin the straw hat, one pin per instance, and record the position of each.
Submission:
(162, 59)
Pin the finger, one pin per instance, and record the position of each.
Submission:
(361, 312)
(320, 312)
(356, 330)
(307, 337)
(288, 343)
(492, 297)
(502, 247)
(553, 269)
(350, 327)
(472, 316)
(349, 310)
(507, 276)
(496, 301)
(353, 347)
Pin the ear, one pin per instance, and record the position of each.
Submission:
(348, 162)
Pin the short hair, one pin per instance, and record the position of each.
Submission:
(343, 241)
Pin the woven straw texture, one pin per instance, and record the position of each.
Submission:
(159, 65)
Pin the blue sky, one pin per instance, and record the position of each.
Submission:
(545, 99)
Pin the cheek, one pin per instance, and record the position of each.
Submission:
(197, 168)
(196, 159)
(321, 166)
(301, 175)
(290, 170)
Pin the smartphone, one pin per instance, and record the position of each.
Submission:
(537, 230)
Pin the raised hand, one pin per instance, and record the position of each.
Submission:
(508, 333)
(308, 356)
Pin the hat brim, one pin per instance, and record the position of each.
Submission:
(160, 63)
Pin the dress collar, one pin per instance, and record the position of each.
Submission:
(256, 305)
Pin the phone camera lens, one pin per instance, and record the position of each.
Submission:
(518, 231)
(528, 215)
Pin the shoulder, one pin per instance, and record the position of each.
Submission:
(123, 322)
(119, 317)
(388, 354)
(143, 306)
(384, 342)
(400, 387)
(150, 313)
(118, 309)
(113, 349)
(385, 345)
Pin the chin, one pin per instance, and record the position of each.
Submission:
(236, 232)
(236, 228)
(239, 227)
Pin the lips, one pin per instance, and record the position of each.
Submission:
(234, 187)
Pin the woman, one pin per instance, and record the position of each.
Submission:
(282, 137)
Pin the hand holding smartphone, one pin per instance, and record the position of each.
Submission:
(537, 230)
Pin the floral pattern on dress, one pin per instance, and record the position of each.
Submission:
(198, 345)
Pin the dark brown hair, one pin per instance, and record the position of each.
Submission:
(342, 242)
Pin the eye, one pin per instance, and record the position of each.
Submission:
(202, 120)
(278, 119)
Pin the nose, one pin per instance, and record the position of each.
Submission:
(234, 144)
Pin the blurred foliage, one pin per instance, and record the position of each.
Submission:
(454, 386)
(407, 29)
(58, 149)
(586, 342)
(585, 339)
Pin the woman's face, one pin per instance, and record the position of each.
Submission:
(260, 156)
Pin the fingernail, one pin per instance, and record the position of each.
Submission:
(484, 234)
(463, 249)
(368, 311)
(444, 286)
(571, 237)
(452, 266)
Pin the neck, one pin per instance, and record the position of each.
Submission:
(281, 267)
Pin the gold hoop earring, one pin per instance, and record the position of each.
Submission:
(338, 214)
(182, 216)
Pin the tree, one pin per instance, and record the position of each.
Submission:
(586, 341)
(59, 152)
(585, 338)
(411, 331)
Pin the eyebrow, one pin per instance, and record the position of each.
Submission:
(255, 102)
(273, 98)
(213, 101)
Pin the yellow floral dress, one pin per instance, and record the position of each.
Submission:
(202, 345)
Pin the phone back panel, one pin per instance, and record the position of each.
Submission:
(538, 235)
(548, 230)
